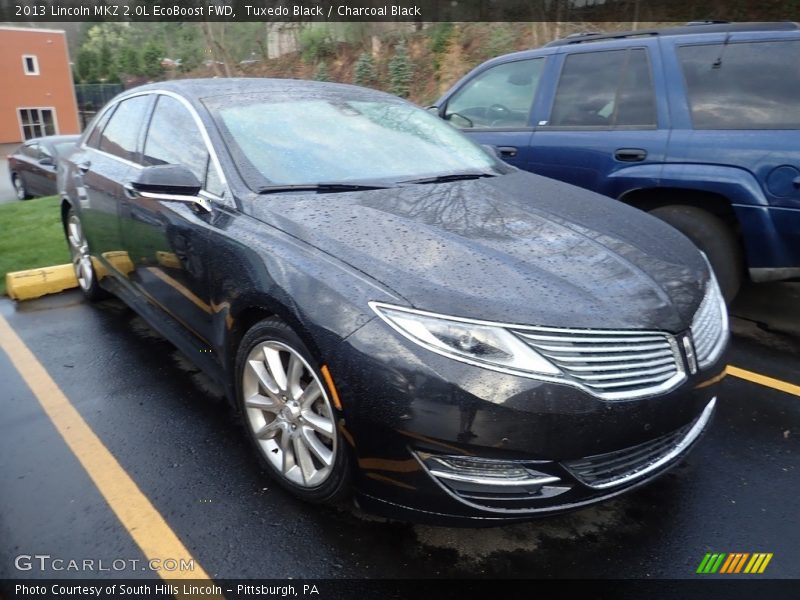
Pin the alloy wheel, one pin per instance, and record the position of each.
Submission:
(79, 249)
(289, 413)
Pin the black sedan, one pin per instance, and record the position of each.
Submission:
(395, 314)
(32, 166)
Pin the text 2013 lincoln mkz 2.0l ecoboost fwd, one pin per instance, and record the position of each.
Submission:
(393, 312)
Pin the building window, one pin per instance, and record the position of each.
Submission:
(31, 64)
(37, 122)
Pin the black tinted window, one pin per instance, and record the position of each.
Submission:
(744, 85)
(174, 139)
(121, 135)
(93, 141)
(605, 89)
(499, 97)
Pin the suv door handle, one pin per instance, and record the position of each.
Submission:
(796, 182)
(84, 166)
(630, 154)
(509, 151)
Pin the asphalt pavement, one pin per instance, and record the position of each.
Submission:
(172, 435)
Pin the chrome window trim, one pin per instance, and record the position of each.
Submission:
(228, 196)
(665, 386)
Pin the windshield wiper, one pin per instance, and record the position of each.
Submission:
(320, 187)
(451, 177)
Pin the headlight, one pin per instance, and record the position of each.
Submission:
(710, 323)
(474, 342)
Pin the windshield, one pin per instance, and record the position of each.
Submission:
(335, 140)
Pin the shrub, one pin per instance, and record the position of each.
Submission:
(321, 72)
(315, 44)
(400, 71)
(365, 73)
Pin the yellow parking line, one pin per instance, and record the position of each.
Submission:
(139, 517)
(771, 382)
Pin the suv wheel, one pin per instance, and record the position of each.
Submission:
(288, 414)
(713, 236)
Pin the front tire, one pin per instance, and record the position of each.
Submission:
(714, 237)
(81, 259)
(19, 187)
(288, 414)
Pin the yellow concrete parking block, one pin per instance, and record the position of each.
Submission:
(33, 283)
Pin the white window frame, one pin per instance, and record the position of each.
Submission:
(40, 121)
(35, 59)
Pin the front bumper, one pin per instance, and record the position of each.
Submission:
(407, 410)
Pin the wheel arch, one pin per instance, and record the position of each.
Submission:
(647, 199)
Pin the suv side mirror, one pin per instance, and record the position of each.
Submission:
(171, 183)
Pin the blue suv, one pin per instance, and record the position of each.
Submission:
(699, 125)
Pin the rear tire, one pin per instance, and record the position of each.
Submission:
(714, 237)
(81, 258)
(288, 414)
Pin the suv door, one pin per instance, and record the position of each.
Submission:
(736, 107)
(494, 107)
(167, 241)
(605, 124)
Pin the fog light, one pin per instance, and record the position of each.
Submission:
(485, 471)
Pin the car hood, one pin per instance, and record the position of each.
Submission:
(518, 249)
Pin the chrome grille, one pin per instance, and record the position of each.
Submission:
(611, 364)
(710, 326)
(623, 466)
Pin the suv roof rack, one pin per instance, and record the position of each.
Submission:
(689, 28)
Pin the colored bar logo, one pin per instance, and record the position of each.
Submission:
(734, 562)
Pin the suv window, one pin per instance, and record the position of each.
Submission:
(499, 97)
(750, 85)
(121, 135)
(174, 139)
(612, 88)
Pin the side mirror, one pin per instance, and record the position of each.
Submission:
(171, 183)
(46, 161)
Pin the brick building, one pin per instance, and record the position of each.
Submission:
(36, 93)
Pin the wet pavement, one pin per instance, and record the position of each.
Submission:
(173, 435)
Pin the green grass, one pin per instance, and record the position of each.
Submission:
(31, 236)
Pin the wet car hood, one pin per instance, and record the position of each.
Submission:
(518, 248)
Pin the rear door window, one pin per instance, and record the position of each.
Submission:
(743, 85)
(612, 88)
(499, 97)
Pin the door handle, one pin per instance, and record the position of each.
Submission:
(630, 154)
(84, 166)
(509, 151)
(796, 182)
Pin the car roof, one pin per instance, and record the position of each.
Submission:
(692, 28)
(219, 86)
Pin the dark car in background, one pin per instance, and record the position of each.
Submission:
(33, 165)
(698, 125)
(390, 308)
